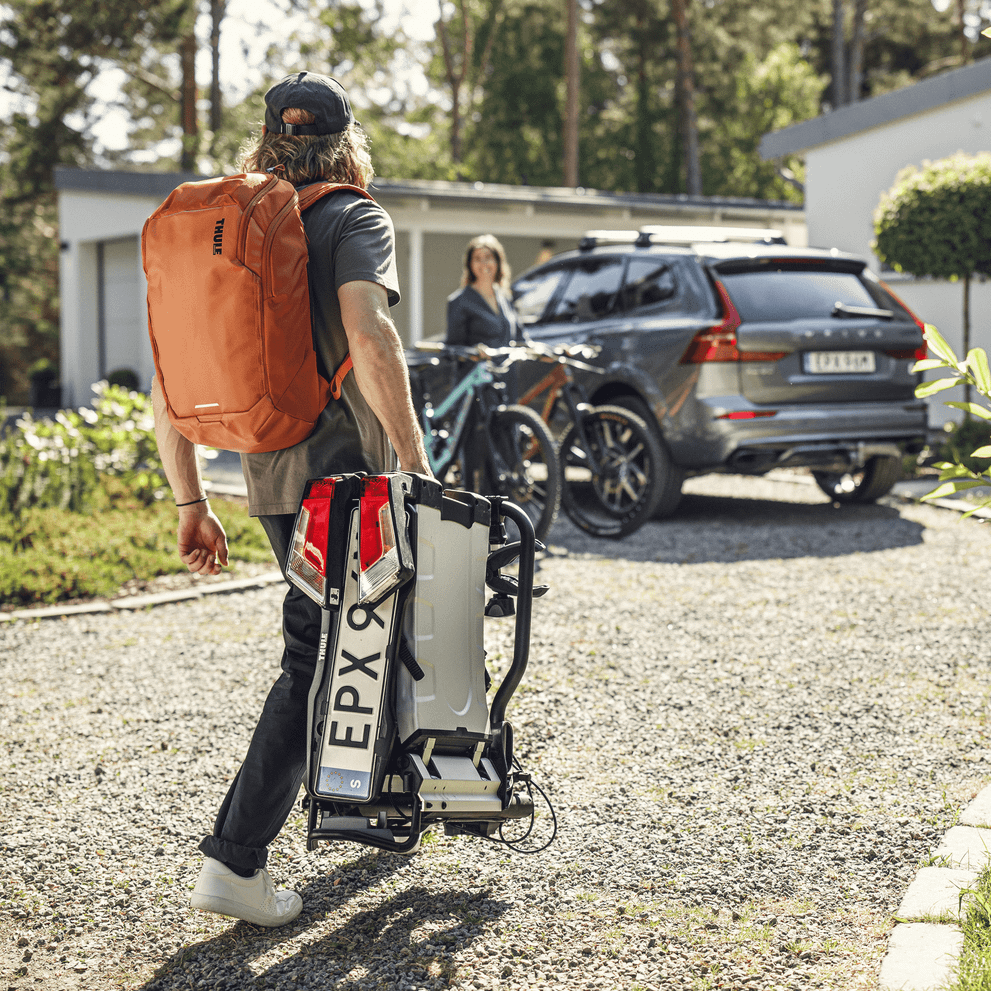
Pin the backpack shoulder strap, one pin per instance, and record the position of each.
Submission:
(317, 190)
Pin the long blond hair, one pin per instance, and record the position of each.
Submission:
(300, 158)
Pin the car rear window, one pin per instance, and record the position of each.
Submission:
(793, 294)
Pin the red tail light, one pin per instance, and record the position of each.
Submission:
(919, 353)
(747, 414)
(719, 343)
(319, 552)
(307, 564)
(384, 554)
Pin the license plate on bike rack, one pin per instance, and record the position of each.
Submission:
(350, 701)
(351, 716)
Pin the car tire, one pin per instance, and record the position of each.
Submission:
(623, 496)
(875, 479)
(670, 476)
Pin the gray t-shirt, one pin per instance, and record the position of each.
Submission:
(351, 239)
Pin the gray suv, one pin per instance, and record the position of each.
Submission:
(746, 356)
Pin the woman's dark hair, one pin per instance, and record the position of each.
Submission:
(503, 272)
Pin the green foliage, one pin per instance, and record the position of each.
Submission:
(973, 969)
(937, 220)
(964, 471)
(779, 90)
(61, 463)
(51, 51)
(50, 555)
(964, 438)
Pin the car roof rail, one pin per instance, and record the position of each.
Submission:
(592, 239)
(682, 235)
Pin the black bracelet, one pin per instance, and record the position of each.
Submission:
(193, 503)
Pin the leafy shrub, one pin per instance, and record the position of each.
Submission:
(126, 378)
(962, 439)
(49, 554)
(956, 475)
(59, 463)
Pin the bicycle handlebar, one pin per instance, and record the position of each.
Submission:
(566, 354)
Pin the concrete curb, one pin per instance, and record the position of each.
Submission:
(135, 602)
(925, 945)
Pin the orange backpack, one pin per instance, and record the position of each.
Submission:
(229, 312)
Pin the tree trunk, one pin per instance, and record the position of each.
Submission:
(571, 97)
(217, 10)
(686, 99)
(962, 25)
(645, 160)
(839, 47)
(190, 130)
(455, 74)
(856, 67)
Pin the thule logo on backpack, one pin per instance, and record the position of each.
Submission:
(218, 238)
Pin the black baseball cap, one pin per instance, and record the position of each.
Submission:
(324, 97)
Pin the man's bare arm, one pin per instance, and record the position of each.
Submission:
(380, 369)
(201, 538)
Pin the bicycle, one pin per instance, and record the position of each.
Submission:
(610, 458)
(476, 441)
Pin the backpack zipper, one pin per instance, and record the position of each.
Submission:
(242, 234)
(273, 230)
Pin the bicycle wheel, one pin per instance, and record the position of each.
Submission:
(621, 494)
(524, 466)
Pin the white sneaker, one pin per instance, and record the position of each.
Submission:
(253, 899)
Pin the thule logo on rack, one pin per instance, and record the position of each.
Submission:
(218, 237)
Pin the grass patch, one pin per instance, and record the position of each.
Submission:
(50, 555)
(973, 971)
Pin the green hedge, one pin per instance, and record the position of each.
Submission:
(84, 506)
(60, 463)
(49, 554)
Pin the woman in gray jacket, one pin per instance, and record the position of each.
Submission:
(481, 311)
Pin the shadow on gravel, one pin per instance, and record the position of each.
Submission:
(739, 529)
(373, 947)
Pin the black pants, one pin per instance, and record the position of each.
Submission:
(265, 789)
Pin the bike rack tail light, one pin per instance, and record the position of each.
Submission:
(306, 567)
(385, 559)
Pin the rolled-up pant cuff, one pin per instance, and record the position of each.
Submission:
(246, 857)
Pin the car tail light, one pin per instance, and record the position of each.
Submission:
(747, 414)
(719, 343)
(919, 353)
(307, 564)
(384, 556)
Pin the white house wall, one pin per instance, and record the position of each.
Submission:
(87, 220)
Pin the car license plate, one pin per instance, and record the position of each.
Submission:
(839, 362)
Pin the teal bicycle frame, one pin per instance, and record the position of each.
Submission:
(443, 451)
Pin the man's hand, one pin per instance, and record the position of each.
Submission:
(202, 541)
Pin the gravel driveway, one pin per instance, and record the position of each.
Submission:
(754, 720)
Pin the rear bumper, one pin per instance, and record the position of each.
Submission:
(831, 438)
